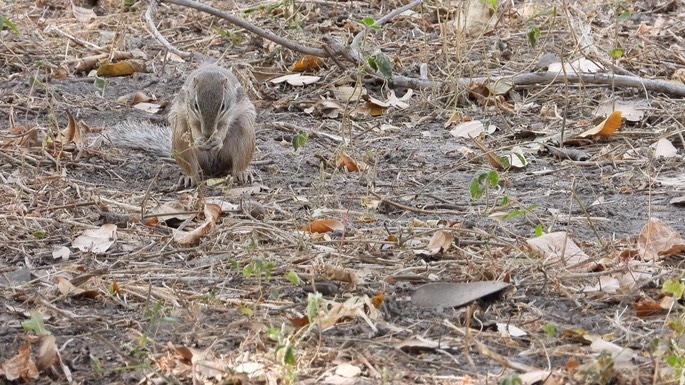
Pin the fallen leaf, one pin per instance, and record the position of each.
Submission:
(324, 226)
(122, 68)
(296, 79)
(347, 162)
(83, 15)
(71, 133)
(47, 353)
(348, 370)
(212, 213)
(606, 128)
(440, 242)
(551, 246)
(96, 240)
(443, 294)
(20, 366)
(657, 240)
(308, 62)
(151, 108)
(645, 307)
(473, 129)
(663, 148)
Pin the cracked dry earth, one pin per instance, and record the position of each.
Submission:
(232, 307)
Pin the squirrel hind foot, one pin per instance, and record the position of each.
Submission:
(244, 177)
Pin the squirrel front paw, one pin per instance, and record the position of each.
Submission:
(212, 144)
(244, 177)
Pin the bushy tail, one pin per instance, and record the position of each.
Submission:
(143, 137)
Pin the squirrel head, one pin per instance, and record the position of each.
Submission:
(212, 95)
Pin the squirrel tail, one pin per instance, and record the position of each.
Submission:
(143, 137)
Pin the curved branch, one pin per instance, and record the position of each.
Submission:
(153, 29)
(249, 27)
(536, 78)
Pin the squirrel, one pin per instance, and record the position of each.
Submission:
(212, 128)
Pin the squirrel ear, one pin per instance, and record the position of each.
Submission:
(239, 93)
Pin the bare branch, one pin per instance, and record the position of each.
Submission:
(357, 38)
(249, 27)
(157, 35)
(527, 79)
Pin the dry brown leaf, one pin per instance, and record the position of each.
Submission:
(300, 322)
(645, 307)
(96, 240)
(340, 274)
(551, 246)
(212, 212)
(324, 226)
(71, 133)
(657, 240)
(346, 161)
(375, 109)
(489, 155)
(83, 15)
(22, 136)
(606, 128)
(47, 353)
(122, 68)
(20, 366)
(308, 62)
(140, 97)
(440, 242)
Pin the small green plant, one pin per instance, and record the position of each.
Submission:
(7, 22)
(293, 278)
(511, 380)
(552, 330)
(601, 371)
(299, 139)
(230, 35)
(481, 183)
(101, 85)
(259, 268)
(36, 324)
(533, 34)
(96, 365)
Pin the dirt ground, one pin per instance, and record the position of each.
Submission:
(231, 307)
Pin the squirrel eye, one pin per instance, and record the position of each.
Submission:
(196, 105)
(224, 106)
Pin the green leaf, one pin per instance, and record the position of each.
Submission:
(299, 139)
(274, 334)
(533, 35)
(289, 358)
(381, 63)
(5, 21)
(538, 230)
(616, 53)
(475, 189)
(674, 287)
(39, 234)
(313, 301)
(625, 15)
(551, 330)
(493, 176)
(293, 278)
(101, 85)
(35, 324)
(511, 380)
(248, 270)
(368, 22)
(246, 311)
